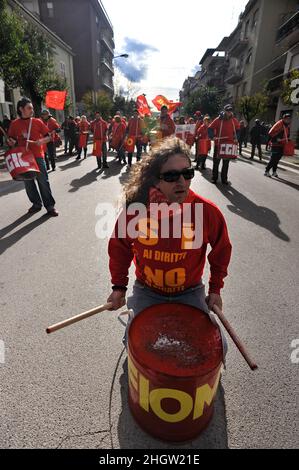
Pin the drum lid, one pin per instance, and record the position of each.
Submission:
(176, 340)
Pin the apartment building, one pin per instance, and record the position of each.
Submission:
(86, 27)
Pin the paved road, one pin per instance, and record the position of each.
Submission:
(69, 389)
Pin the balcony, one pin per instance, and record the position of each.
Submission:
(289, 30)
(108, 85)
(109, 44)
(238, 46)
(234, 75)
(274, 85)
(107, 64)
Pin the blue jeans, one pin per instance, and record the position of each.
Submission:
(45, 197)
(143, 297)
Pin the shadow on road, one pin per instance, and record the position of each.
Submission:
(130, 435)
(288, 183)
(8, 187)
(72, 164)
(86, 179)
(247, 209)
(11, 240)
(4, 231)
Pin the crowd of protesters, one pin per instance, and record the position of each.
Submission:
(129, 135)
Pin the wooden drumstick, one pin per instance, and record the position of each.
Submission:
(81, 316)
(234, 337)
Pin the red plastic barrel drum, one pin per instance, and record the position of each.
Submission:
(289, 149)
(204, 146)
(175, 358)
(228, 151)
(21, 164)
(97, 150)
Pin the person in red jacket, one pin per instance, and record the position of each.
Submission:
(279, 135)
(84, 128)
(203, 143)
(118, 136)
(167, 125)
(135, 132)
(99, 128)
(27, 128)
(54, 129)
(224, 130)
(169, 264)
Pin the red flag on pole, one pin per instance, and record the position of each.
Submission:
(142, 106)
(56, 99)
(160, 101)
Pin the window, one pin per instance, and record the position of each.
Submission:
(244, 89)
(97, 20)
(246, 30)
(98, 46)
(50, 9)
(98, 71)
(249, 57)
(254, 19)
(62, 69)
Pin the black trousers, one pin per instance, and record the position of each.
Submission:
(276, 154)
(80, 152)
(138, 155)
(50, 156)
(121, 154)
(66, 142)
(201, 160)
(259, 147)
(104, 155)
(72, 143)
(224, 170)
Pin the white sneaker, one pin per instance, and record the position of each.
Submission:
(275, 174)
(267, 174)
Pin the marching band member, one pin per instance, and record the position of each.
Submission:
(54, 128)
(167, 125)
(224, 130)
(134, 133)
(202, 140)
(99, 128)
(84, 128)
(26, 127)
(169, 267)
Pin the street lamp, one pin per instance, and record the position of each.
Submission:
(122, 55)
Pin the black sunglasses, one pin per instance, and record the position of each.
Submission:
(174, 175)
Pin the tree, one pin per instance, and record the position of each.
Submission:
(206, 100)
(120, 103)
(98, 101)
(253, 106)
(26, 57)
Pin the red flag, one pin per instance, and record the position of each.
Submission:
(142, 106)
(160, 101)
(56, 99)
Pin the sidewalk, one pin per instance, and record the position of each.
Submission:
(285, 162)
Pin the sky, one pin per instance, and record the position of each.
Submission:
(166, 39)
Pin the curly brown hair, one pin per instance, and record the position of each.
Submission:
(145, 174)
